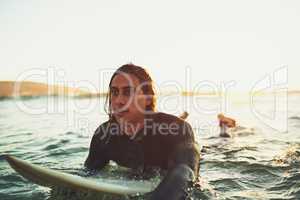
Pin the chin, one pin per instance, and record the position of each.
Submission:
(121, 117)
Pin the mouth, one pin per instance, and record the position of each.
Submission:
(120, 112)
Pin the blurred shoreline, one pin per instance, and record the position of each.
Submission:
(31, 90)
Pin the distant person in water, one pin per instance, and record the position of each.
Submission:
(138, 137)
(225, 123)
(184, 115)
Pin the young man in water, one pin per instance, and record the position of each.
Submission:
(138, 137)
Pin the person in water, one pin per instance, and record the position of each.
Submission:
(138, 137)
(184, 115)
(225, 123)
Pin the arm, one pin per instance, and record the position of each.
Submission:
(98, 156)
(183, 169)
(228, 122)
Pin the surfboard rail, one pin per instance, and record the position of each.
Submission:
(49, 177)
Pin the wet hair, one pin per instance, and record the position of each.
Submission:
(220, 116)
(145, 80)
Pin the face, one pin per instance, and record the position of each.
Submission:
(128, 102)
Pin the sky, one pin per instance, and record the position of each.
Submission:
(183, 44)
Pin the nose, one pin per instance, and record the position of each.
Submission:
(121, 100)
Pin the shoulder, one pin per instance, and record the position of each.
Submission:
(103, 132)
(161, 117)
(166, 118)
(102, 128)
(172, 124)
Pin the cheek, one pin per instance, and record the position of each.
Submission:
(112, 102)
(140, 104)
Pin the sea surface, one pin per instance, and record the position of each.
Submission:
(261, 161)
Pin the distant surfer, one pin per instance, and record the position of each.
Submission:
(225, 123)
(139, 137)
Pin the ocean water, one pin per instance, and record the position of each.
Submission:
(262, 160)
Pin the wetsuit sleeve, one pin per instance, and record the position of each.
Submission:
(98, 153)
(183, 168)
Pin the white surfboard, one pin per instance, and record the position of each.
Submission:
(49, 177)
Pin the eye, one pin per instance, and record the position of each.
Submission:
(128, 91)
(114, 92)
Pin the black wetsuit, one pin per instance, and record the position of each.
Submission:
(166, 141)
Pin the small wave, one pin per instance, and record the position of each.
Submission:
(289, 156)
(58, 144)
(241, 131)
(74, 134)
(24, 134)
(295, 117)
(247, 168)
(12, 179)
(257, 194)
(262, 173)
(227, 184)
(72, 150)
(289, 186)
(70, 133)
(239, 149)
(226, 151)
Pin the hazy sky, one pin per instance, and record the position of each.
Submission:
(217, 40)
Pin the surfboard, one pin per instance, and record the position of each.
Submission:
(49, 178)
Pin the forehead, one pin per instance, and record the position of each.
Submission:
(125, 80)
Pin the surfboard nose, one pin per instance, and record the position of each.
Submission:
(4, 157)
(12, 161)
(7, 157)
